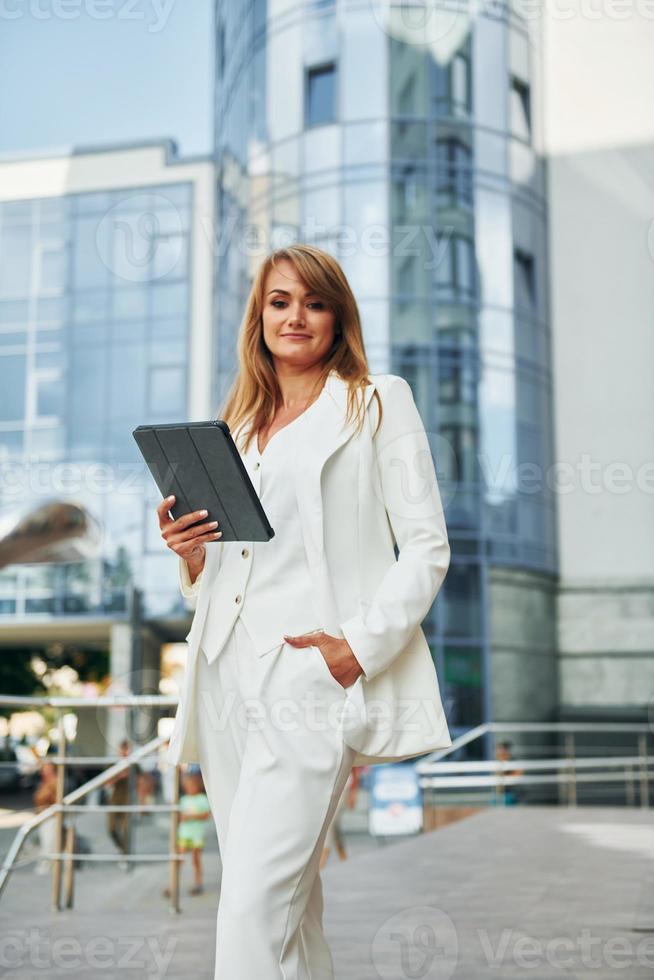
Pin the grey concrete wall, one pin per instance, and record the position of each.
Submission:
(524, 670)
(606, 644)
(599, 139)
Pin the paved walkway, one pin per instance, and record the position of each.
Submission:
(508, 893)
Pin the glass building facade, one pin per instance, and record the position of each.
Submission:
(411, 154)
(94, 335)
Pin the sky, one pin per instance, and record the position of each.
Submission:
(92, 72)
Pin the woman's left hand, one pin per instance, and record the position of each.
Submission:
(339, 657)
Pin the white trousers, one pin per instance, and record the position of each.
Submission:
(275, 764)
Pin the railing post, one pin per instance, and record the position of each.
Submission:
(59, 818)
(644, 778)
(174, 863)
(497, 790)
(69, 868)
(572, 775)
(132, 797)
(629, 788)
(500, 788)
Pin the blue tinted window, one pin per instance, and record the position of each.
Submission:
(321, 95)
(12, 403)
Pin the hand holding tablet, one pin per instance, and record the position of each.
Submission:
(188, 534)
(199, 463)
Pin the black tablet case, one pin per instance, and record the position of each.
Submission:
(200, 464)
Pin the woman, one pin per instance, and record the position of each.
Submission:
(306, 654)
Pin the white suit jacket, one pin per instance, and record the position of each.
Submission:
(357, 496)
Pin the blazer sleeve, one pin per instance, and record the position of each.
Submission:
(189, 589)
(415, 513)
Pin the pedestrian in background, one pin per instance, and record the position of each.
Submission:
(194, 814)
(45, 795)
(117, 821)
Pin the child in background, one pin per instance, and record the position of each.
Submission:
(194, 813)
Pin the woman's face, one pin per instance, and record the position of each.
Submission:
(289, 309)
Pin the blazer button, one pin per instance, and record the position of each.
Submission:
(245, 552)
(238, 598)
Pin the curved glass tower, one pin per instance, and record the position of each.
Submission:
(408, 147)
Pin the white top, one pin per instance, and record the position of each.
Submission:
(277, 597)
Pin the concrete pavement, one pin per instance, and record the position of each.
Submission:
(507, 893)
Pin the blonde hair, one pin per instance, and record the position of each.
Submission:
(255, 393)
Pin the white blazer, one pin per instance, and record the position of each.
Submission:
(357, 496)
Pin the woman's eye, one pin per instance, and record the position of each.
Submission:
(275, 303)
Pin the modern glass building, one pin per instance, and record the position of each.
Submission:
(410, 149)
(105, 316)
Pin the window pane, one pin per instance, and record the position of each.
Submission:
(169, 258)
(91, 305)
(321, 95)
(454, 172)
(460, 91)
(49, 397)
(170, 352)
(520, 109)
(461, 606)
(13, 311)
(130, 303)
(13, 338)
(12, 403)
(51, 309)
(127, 383)
(54, 267)
(465, 265)
(444, 267)
(90, 248)
(524, 280)
(169, 299)
(16, 249)
(167, 391)
(463, 686)
(87, 393)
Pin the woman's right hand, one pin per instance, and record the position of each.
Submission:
(185, 540)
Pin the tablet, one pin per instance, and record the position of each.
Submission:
(200, 463)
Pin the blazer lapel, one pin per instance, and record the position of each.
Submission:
(321, 432)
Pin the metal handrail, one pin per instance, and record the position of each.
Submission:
(67, 801)
(432, 769)
(77, 794)
(97, 701)
(500, 765)
(480, 782)
(434, 772)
